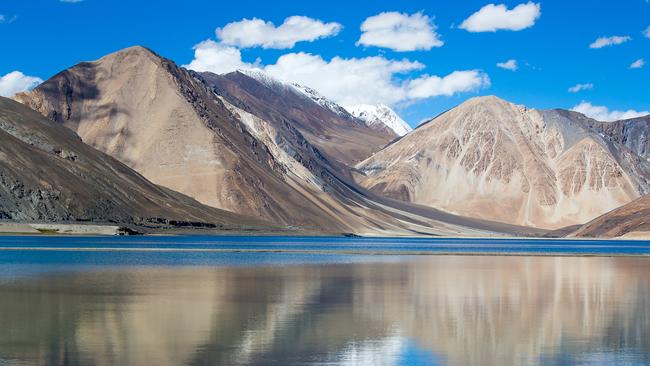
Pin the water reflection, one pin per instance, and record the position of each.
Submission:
(434, 310)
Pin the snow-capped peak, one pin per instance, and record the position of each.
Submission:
(380, 115)
(264, 78)
(320, 99)
(309, 93)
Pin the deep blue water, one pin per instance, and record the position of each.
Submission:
(324, 245)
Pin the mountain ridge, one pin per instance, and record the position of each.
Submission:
(508, 163)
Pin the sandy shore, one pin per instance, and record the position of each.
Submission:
(58, 229)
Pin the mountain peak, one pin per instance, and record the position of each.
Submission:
(133, 51)
(380, 115)
(487, 99)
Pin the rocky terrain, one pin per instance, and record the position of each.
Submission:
(631, 221)
(633, 133)
(47, 174)
(237, 143)
(492, 159)
(324, 124)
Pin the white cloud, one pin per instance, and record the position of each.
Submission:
(580, 87)
(637, 64)
(646, 32)
(492, 18)
(259, 33)
(218, 58)
(400, 32)
(609, 41)
(508, 65)
(602, 113)
(347, 81)
(71, 1)
(2, 18)
(16, 82)
(353, 81)
(457, 82)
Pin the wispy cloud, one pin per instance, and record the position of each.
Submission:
(508, 65)
(71, 1)
(602, 113)
(580, 87)
(400, 32)
(646, 32)
(637, 64)
(255, 32)
(609, 41)
(492, 18)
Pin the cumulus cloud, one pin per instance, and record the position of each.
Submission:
(580, 87)
(492, 18)
(400, 32)
(457, 82)
(508, 65)
(609, 41)
(255, 32)
(646, 32)
(352, 81)
(347, 81)
(637, 64)
(602, 113)
(16, 82)
(218, 58)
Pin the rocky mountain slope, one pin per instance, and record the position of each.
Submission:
(633, 133)
(381, 117)
(48, 174)
(234, 143)
(492, 159)
(631, 220)
(327, 126)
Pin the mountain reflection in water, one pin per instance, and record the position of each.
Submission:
(431, 310)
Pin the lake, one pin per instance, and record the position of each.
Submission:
(322, 301)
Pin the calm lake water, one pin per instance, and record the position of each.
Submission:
(193, 301)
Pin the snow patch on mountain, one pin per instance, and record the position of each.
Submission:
(380, 115)
(305, 91)
(320, 99)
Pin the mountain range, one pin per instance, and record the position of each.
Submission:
(244, 148)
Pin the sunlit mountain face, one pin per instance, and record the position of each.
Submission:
(438, 310)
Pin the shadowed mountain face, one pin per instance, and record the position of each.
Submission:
(631, 220)
(492, 159)
(633, 133)
(257, 155)
(332, 130)
(48, 174)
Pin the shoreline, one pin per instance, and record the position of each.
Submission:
(111, 230)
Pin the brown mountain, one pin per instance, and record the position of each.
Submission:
(633, 133)
(327, 126)
(495, 160)
(631, 220)
(48, 174)
(243, 151)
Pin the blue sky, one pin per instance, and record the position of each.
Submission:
(41, 37)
